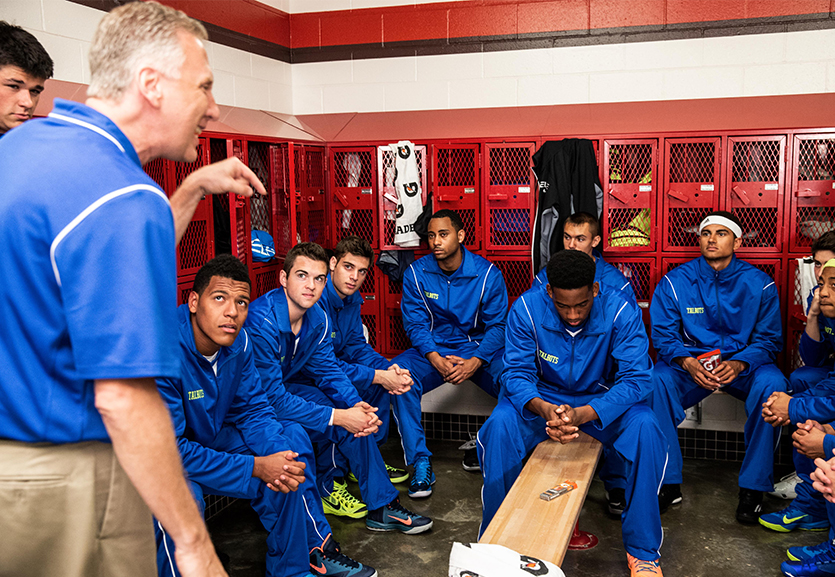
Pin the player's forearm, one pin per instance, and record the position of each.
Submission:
(140, 429)
(813, 327)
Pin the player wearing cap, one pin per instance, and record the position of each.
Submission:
(576, 359)
(718, 302)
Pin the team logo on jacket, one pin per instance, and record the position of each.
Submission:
(333, 334)
(429, 295)
(194, 395)
(549, 358)
(695, 310)
(404, 151)
(827, 330)
(411, 189)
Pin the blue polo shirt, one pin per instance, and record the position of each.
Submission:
(89, 276)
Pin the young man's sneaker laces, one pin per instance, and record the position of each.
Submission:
(639, 568)
(422, 479)
(343, 504)
(328, 561)
(785, 487)
(395, 517)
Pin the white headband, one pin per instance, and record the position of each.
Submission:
(722, 221)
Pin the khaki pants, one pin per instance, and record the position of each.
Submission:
(71, 510)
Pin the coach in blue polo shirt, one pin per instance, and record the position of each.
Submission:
(454, 306)
(89, 280)
(718, 302)
(576, 359)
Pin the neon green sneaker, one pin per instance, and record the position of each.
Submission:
(343, 504)
(395, 475)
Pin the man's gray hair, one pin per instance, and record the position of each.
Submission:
(133, 36)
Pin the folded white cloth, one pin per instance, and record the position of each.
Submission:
(482, 560)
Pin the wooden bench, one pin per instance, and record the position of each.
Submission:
(543, 529)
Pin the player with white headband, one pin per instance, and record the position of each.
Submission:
(716, 325)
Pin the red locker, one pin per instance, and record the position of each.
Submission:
(371, 306)
(812, 189)
(691, 189)
(509, 196)
(755, 190)
(354, 205)
(197, 247)
(516, 271)
(311, 221)
(630, 168)
(455, 168)
(385, 190)
(184, 285)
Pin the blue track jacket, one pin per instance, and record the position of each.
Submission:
(357, 359)
(280, 360)
(817, 354)
(696, 309)
(201, 403)
(605, 274)
(606, 365)
(470, 305)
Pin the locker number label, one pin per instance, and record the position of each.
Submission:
(528, 188)
(645, 188)
(707, 187)
(771, 186)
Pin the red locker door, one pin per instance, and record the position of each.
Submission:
(310, 182)
(196, 248)
(285, 198)
(353, 200)
(812, 189)
(510, 196)
(691, 189)
(630, 168)
(456, 186)
(755, 191)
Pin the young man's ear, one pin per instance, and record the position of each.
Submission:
(595, 288)
(333, 263)
(462, 236)
(282, 278)
(737, 244)
(595, 241)
(193, 297)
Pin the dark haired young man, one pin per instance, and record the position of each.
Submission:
(24, 68)
(230, 439)
(718, 302)
(582, 232)
(576, 359)
(294, 356)
(377, 380)
(454, 306)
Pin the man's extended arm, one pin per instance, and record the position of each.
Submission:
(139, 427)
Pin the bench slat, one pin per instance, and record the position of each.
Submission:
(542, 529)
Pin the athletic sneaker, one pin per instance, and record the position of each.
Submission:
(422, 479)
(470, 461)
(395, 475)
(806, 553)
(395, 517)
(616, 501)
(343, 504)
(750, 506)
(792, 518)
(668, 495)
(328, 561)
(821, 565)
(639, 568)
(785, 487)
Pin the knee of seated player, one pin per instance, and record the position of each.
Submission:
(640, 432)
(503, 429)
(767, 379)
(299, 440)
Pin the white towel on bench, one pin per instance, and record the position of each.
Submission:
(482, 560)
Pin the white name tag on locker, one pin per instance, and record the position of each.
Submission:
(771, 186)
(707, 187)
(366, 191)
(528, 188)
(469, 191)
(645, 188)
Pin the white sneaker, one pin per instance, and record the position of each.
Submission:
(784, 488)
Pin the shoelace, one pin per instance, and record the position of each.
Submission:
(340, 559)
(397, 507)
(342, 495)
(827, 556)
(423, 472)
(645, 566)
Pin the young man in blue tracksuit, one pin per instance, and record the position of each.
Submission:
(718, 302)
(576, 359)
(230, 440)
(294, 356)
(582, 232)
(377, 380)
(454, 306)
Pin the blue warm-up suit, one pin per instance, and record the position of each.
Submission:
(816, 367)
(304, 384)
(605, 275)
(222, 420)
(604, 365)
(460, 314)
(696, 309)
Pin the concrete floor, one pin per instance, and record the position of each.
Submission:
(701, 536)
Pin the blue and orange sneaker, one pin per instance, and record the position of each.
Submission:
(328, 561)
(821, 565)
(639, 568)
(806, 553)
(395, 517)
(422, 479)
(792, 518)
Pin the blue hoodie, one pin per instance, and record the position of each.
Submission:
(357, 359)
(441, 311)
(200, 404)
(817, 354)
(281, 361)
(606, 365)
(605, 275)
(736, 310)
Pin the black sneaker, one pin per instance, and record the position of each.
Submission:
(616, 501)
(669, 495)
(329, 561)
(470, 462)
(750, 506)
(396, 517)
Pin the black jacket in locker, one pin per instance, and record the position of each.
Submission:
(566, 172)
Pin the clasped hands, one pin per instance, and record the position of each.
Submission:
(454, 369)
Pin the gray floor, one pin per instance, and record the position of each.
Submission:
(701, 536)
